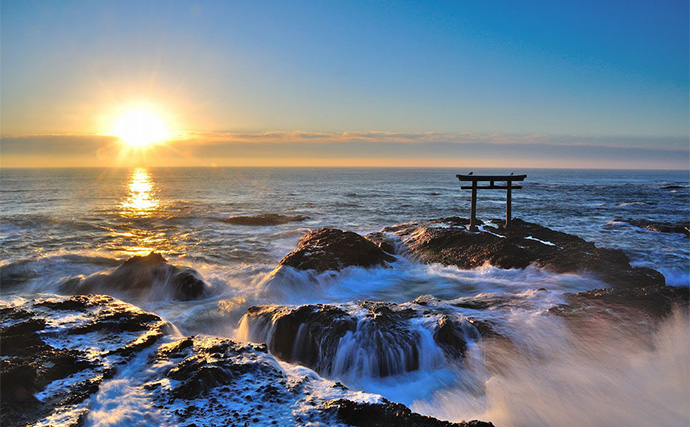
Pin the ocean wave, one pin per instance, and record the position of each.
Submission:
(47, 271)
(407, 280)
(604, 375)
(625, 204)
(148, 278)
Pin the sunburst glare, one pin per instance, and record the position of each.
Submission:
(140, 128)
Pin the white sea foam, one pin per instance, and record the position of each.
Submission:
(407, 280)
(597, 377)
(122, 401)
(540, 241)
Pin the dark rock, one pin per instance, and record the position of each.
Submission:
(149, 277)
(382, 240)
(661, 227)
(451, 336)
(21, 338)
(379, 339)
(198, 379)
(239, 381)
(446, 241)
(264, 219)
(389, 414)
(29, 364)
(330, 249)
(655, 301)
(307, 334)
(201, 365)
(118, 320)
(74, 303)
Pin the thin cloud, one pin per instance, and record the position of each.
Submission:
(379, 137)
(352, 147)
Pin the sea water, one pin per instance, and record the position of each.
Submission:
(57, 224)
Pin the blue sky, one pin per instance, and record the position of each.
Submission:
(585, 71)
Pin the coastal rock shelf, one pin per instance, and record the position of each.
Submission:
(653, 301)
(660, 227)
(46, 371)
(447, 241)
(50, 377)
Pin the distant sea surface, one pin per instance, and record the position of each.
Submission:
(57, 224)
(179, 212)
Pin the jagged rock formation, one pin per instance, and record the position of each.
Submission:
(330, 249)
(40, 348)
(388, 414)
(448, 242)
(654, 301)
(371, 339)
(145, 277)
(49, 375)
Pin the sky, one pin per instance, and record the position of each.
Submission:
(348, 83)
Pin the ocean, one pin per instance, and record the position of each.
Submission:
(58, 224)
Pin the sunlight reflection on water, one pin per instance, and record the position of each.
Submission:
(140, 204)
(141, 200)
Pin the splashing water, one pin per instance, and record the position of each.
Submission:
(620, 379)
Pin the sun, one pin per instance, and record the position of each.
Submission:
(140, 128)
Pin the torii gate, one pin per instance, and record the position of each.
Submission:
(508, 179)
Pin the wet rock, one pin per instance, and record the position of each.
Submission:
(331, 249)
(20, 339)
(57, 348)
(74, 303)
(383, 241)
(307, 334)
(146, 277)
(374, 339)
(264, 219)
(448, 242)
(389, 414)
(203, 364)
(661, 227)
(655, 301)
(40, 348)
(451, 335)
(211, 379)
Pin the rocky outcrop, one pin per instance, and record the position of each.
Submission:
(60, 355)
(219, 381)
(389, 414)
(264, 219)
(331, 249)
(40, 347)
(369, 339)
(661, 227)
(142, 277)
(654, 301)
(448, 242)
